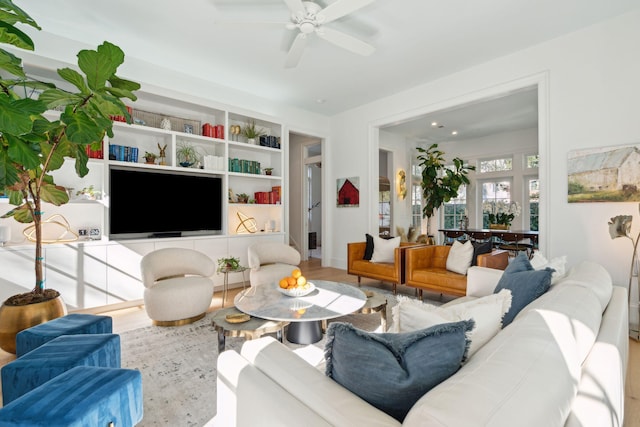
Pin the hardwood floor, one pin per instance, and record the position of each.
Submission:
(125, 319)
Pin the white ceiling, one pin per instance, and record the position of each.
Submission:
(416, 41)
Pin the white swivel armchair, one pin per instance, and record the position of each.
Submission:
(269, 262)
(178, 285)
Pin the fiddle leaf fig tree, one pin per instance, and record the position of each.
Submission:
(439, 182)
(33, 145)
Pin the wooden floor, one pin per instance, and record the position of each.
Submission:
(125, 319)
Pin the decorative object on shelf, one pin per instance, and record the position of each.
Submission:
(620, 226)
(163, 155)
(154, 120)
(95, 93)
(186, 154)
(348, 192)
(500, 213)
(165, 124)
(188, 128)
(48, 233)
(251, 132)
(242, 198)
(401, 179)
(150, 158)
(247, 224)
(440, 183)
(89, 193)
(235, 131)
(268, 171)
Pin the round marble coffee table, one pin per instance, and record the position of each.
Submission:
(328, 301)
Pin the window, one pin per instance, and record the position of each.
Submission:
(493, 193)
(495, 165)
(455, 209)
(384, 206)
(416, 206)
(534, 202)
(416, 197)
(532, 161)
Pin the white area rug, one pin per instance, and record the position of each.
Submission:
(178, 366)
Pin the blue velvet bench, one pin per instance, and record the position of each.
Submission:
(82, 396)
(71, 324)
(55, 357)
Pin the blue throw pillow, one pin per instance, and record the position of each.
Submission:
(525, 284)
(392, 371)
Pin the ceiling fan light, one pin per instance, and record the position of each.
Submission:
(307, 27)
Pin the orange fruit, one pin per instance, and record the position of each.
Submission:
(291, 281)
(296, 273)
(284, 283)
(301, 281)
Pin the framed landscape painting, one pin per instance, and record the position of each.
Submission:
(609, 174)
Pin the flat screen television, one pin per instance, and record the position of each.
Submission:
(151, 204)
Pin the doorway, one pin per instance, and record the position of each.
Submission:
(313, 192)
(305, 195)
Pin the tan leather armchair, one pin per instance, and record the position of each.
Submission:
(426, 269)
(385, 272)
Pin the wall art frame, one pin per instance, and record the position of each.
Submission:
(348, 192)
(605, 174)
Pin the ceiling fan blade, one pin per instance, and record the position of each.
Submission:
(341, 8)
(346, 41)
(295, 52)
(296, 7)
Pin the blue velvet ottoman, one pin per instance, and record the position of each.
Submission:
(55, 357)
(82, 396)
(71, 324)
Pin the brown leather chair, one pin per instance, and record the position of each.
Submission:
(426, 269)
(393, 273)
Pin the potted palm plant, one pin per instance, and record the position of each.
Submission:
(251, 132)
(439, 182)
(32, 145)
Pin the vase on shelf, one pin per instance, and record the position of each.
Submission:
(499, 226)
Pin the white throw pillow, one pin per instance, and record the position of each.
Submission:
(384, 249)
(559, 264)
(460, 257)
(487, 312)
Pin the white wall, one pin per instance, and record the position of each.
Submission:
(588, 98)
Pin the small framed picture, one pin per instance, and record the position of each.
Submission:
(83, 233)
(94, 233)
(188, 128)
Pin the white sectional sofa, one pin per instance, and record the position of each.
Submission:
(561, 362)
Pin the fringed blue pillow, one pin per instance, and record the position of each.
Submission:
(525, 284)
(392, 371)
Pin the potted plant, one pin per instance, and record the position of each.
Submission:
(150, 158)
(187, 154)
(243, 198)
(228, 264)
(439, 182)
(32, 145)
(268, 171)
(251, 132)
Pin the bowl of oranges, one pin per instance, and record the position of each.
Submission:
(295, 285)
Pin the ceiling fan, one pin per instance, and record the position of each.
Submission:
(308, 18)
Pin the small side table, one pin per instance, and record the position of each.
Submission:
(225, 286)
(376, 303)
(252, 329)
